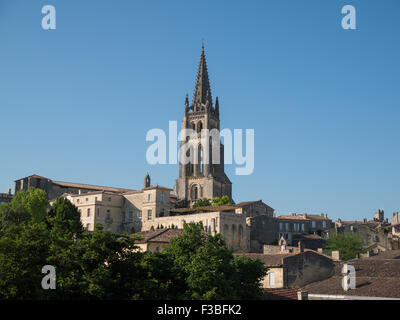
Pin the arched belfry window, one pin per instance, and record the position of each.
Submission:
(195, 192)
(199, 126)
(201, 154)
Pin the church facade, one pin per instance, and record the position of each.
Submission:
(202, 175)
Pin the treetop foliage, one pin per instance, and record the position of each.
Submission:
(102, 265)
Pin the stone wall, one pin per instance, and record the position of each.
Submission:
(232, 226)
(307, 267)
(263, 230)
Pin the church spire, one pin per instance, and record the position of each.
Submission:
(202, 90)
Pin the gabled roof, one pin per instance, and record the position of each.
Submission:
(33, 176)
(159, 235)
(246, 203)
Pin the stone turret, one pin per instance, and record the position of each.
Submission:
(147, 181)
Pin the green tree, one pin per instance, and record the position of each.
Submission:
(202, 203)
(34, 201)
(348, 244)
(223, 201)
(203, 268)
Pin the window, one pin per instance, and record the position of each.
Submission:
(313, 224)
(130, 216)
(272, 278)
(98, 211)
(303, 227)
(109, 198)
(140, 215)
(88, 226)
(323, 224)
(87, 199)
(162, 197)
(77, 200)
(149, 214)
(149, 197)
(280, 226)
(88, 212)
(287, 226)
(162, 212)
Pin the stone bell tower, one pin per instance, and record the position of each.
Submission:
(201, 176)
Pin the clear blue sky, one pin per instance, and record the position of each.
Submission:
(76, 102)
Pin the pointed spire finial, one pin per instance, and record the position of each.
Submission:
(202, 90)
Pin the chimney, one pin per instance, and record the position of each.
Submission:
(293, 214)
(9, 192)
(336, 255)
(322, 215)
(302, 295)
(326, 215)
(301, 246)
(365, 220)
(79, 191)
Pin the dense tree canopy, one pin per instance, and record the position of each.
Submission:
(102, 265)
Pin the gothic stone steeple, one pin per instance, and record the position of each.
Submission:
(202, 90)
(198, 180)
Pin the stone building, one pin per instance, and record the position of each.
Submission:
(232, 226)
(122, 211)
(202, 176)
(55, 189)
(396, 225)
(156, 240)
(254, 208)
(373, 232)
(295, 267)
(6, 197)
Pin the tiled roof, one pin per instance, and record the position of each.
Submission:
(308, 236)
(297, 217)
(281, 293)
(272, 260)
(246, 203)
(208, 208)
(316, 217)
(88, 186)
(377, 276)
(304, 216)
(159, 235)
